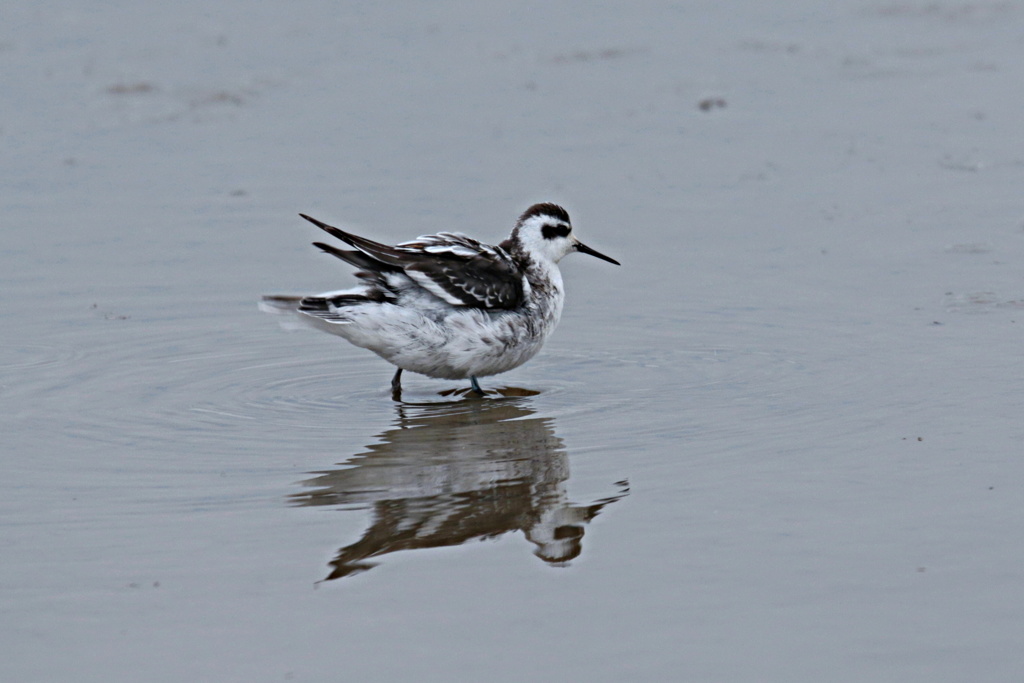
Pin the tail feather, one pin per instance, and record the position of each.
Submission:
(279, 303)
(313, 304)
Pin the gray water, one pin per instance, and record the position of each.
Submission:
(781, 443)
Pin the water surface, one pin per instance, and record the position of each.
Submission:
(780, 443)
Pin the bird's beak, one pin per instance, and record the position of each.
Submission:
(584, 249)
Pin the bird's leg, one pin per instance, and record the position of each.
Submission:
(396, 386)
(476, 385)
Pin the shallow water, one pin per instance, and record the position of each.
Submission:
(781, 442)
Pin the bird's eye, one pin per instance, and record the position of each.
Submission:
(550, 231)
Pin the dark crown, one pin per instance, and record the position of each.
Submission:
(545, 209)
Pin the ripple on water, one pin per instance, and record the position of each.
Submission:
(156, 384)
(243, 388)
(755, 375)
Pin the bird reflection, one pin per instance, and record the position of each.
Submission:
(448, 473)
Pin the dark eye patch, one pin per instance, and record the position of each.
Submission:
(550, 231)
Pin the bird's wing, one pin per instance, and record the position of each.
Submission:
(463, 271)
(451, 266)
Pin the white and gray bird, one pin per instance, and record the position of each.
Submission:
(446, 305)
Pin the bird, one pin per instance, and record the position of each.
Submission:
(446, 305)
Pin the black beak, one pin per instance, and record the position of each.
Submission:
(584, 249)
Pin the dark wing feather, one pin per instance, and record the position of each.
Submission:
(451, 266)
(488, 279)
(356, 258)
(380, 252)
